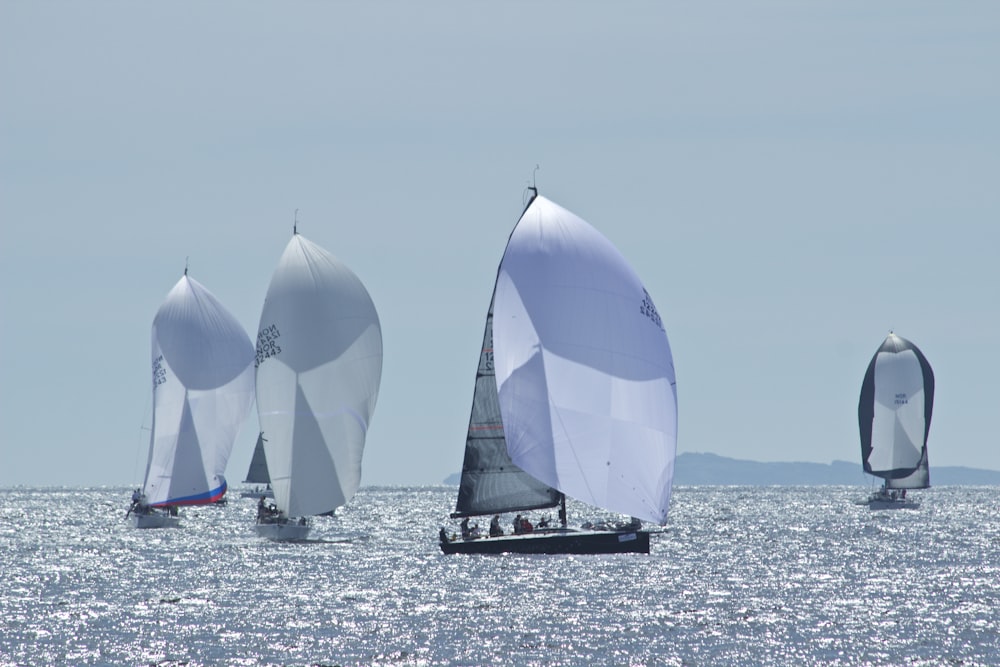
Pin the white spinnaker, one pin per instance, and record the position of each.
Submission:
(898, 426)
(583, 367)
(319, 364)
(202, 393)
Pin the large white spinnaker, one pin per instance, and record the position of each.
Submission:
(319, 364)
(202, 392)
(583, 367)
(894, 414)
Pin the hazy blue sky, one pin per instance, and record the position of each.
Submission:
(791, 180)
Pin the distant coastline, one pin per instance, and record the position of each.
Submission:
(702, 469)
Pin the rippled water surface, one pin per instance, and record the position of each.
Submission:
(741, 576)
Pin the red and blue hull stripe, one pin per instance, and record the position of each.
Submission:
(206, 498)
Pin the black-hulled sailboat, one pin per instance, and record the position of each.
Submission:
(894, 416)
(575, 394)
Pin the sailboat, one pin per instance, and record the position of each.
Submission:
(257, 473)
(319, 364)
(202, 393)
(575, 395)
(894, 415)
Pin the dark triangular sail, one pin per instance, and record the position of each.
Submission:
(894, 414)
(491, 483)
(257, 474)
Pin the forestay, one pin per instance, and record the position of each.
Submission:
(202, 392)
(894, 414)
(583, 367)
(319, 363)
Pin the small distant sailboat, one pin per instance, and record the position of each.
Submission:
(257, 473)
(575, 394)
(202, 393)
(894, 415)
(319, 365)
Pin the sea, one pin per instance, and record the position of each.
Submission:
(738, 576)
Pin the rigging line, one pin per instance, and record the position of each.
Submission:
(138, 448)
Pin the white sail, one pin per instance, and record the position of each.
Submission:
(319, 364)
(202, 393)
(898, 427)
(583, 367)
(894, 414)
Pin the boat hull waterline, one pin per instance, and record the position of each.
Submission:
(554, 542)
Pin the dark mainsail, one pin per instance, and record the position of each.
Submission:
(257, 474)
(491, 483)
(894, 414)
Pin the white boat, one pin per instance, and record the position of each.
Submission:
(257, 474)
(202, 393)
(319, 364)
(145, 516)
(894, 417)
(575, 394)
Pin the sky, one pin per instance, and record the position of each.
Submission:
(790, 180)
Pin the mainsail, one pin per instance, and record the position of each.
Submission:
(202, 393)
(319, 364)
(894, 414)
(257, 472)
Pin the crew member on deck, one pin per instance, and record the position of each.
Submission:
(495, 529)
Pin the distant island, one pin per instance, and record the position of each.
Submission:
(698, 469)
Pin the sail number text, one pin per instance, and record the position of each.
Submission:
(267, 344)
(159, 372)
(649, 310)
(901, 399)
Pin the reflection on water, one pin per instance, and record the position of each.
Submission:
(741, 576)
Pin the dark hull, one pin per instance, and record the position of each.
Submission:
(898, 504)
(555, 542)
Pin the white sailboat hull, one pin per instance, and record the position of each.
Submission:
(257, 493)
(288, 530)
(155, 520)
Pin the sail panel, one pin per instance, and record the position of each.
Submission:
(894, 414)
(918, 479)
(490, 482)
(319, 365)
(583, 367)
(202, 394)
